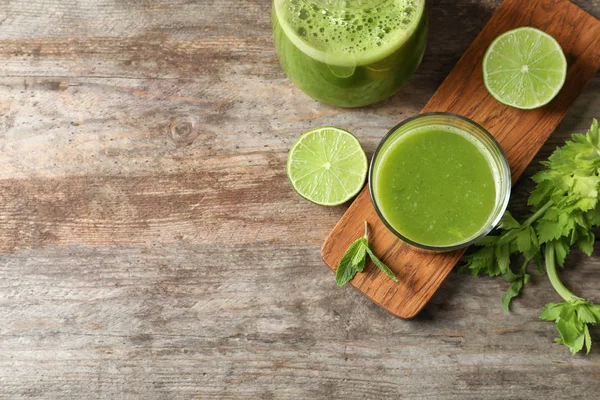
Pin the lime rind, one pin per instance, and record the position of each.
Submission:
(327, 166)
(524, 68)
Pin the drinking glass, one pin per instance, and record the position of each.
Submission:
(487, 144)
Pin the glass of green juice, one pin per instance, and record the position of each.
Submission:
(350, 53)
(439, 181)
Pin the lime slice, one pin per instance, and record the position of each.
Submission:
(327, 166)
(524, 68)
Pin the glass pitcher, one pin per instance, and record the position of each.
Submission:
(350, 53)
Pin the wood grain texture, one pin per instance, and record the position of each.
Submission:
(520, 133)
(151, 247)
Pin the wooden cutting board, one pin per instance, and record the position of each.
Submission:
(520, 133)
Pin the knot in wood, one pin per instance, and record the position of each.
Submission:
(183, 131)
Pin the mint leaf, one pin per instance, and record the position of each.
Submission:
(355, 258)
(361, 251)
(352, 262)
(381, 265)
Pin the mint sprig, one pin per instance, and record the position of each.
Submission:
(355, 258)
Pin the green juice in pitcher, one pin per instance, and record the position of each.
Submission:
(350, 53)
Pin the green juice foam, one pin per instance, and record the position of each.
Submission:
(348, 33)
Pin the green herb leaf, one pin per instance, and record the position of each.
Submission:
(595, 309)
(361, 251)
(381, 265)
(503, 257)
(480, 262)
(570, 329)
(495, 256)
(548, 231)
(585, 315)
(573, 316)
(508, 222)
(551, 311)
(594, 134)
(512, 292)
(566, 211)
(588, 339)
(561, 248)
(541, 194)
(352, 262)
(586, 242)
(524, 240)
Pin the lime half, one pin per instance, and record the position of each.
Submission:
(327, 166)
(524, 68)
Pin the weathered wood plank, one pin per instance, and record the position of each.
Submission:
(172, 321)
(140, 261)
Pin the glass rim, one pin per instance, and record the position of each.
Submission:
(490, 225)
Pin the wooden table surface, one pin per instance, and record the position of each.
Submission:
(152, 248)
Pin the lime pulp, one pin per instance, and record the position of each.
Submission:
(327, 166)
(524, 68)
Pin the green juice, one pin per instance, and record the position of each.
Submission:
(350, 56)
(435, 186)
